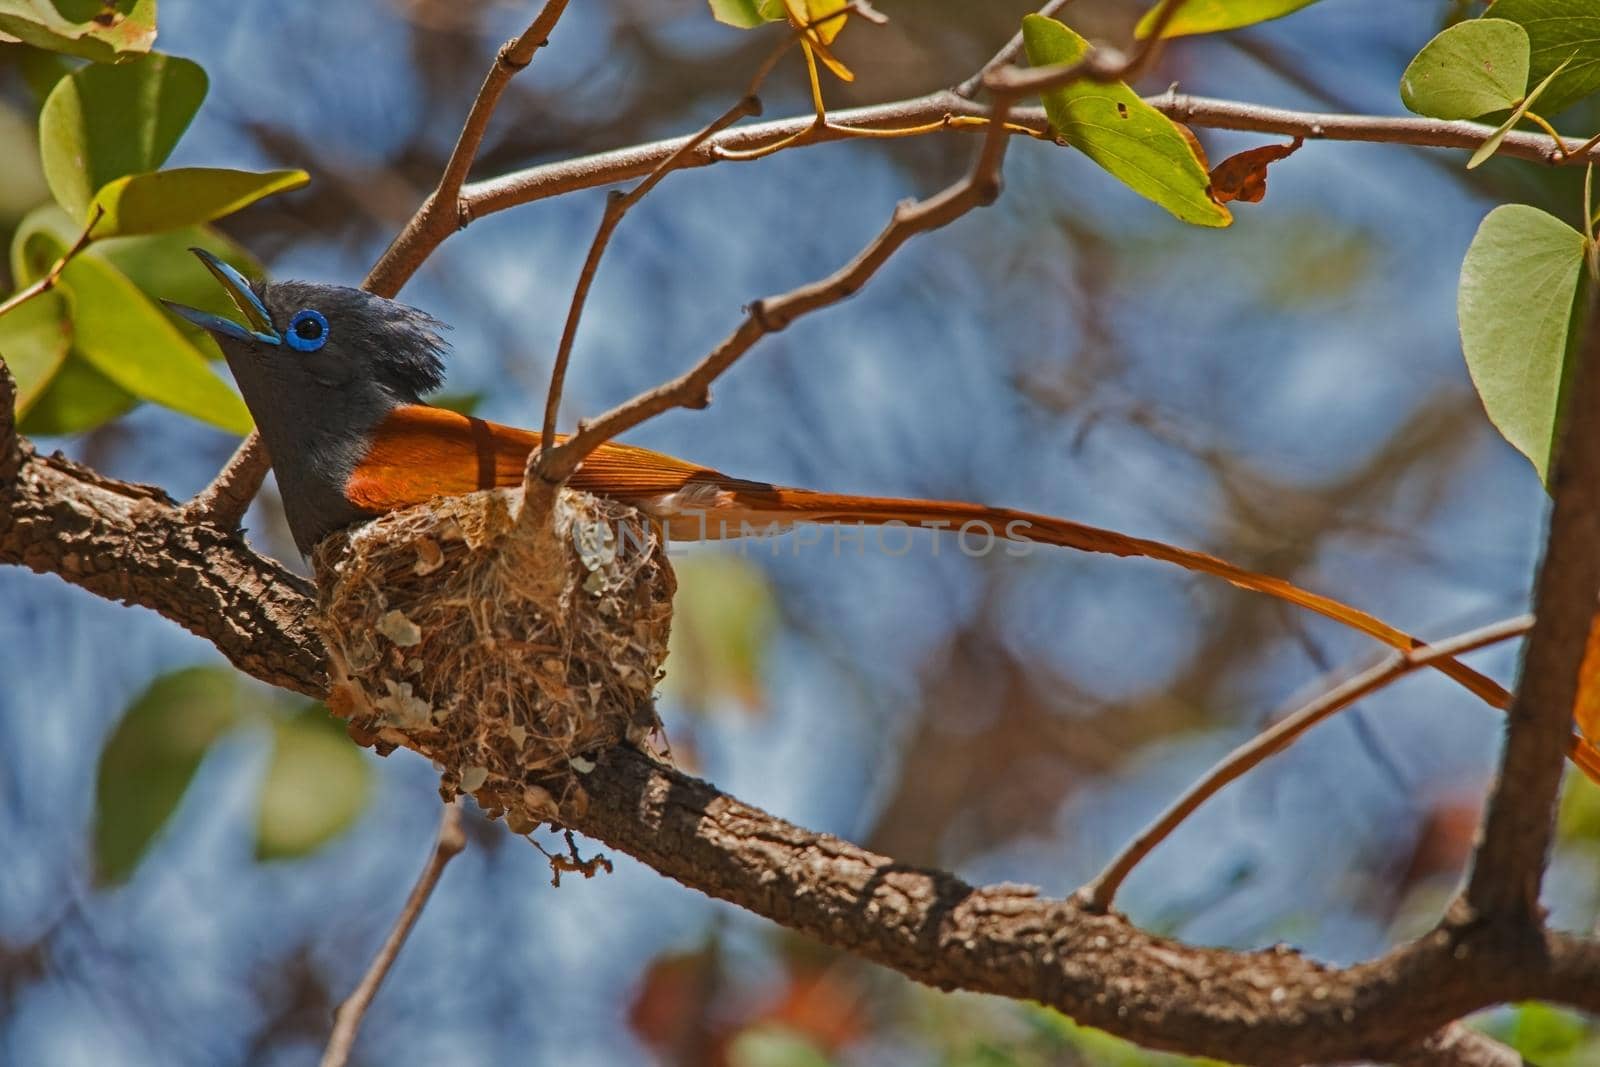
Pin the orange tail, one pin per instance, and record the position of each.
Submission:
(799, 505)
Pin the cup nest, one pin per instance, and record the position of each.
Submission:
(504, 651)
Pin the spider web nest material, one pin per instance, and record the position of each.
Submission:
(502, 651)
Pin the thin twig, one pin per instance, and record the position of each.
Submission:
(1519, 821)
(606, 168)
(442, 212)
(53, 275)
(692, 389)
(1006, 56)
(1097, 64)
(1098, 894)
(224, 502)
(447, 845)
(618, 205)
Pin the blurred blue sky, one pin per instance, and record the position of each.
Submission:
(1296, 345)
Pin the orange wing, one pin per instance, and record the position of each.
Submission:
(421, 452)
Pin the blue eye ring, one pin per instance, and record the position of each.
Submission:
(308, 330)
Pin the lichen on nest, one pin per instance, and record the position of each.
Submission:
(503, 651)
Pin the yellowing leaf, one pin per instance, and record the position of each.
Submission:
(820, 30)
(1209, 16)
(184, 196)
(1109, 123)
(105, 32)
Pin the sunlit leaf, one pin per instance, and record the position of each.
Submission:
(820, 30)
(316, 786)
(740, 13)
(34, 339)
(147, 764)
(1517, 304)
(723, 619)
(1209, 16)
(161, 266)
(135, 344)
(103, 122)
(1560, 32)
(1492, 145)
(1111, 125)
(1470, 69)
(186, 196)
(1244, 176)
(95, 29)
(1550, 1035)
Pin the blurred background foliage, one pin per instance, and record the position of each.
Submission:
(200, 868)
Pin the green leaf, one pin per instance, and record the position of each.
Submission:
(78, 398)
(1517, 304)
(1111, 125)
(103, 122)
(316, 786)
(741, 13)
(147, 764)
(1470, 69)
(101, 30)
(723, 620)
(1492, 145)
(161, 266)
(41, 237)
(135, 344)
(186, 196)
(1560, 32)
(34, 339)
(1209, 16)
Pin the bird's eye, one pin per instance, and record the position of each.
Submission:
(308, 330)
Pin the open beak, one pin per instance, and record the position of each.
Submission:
(258, 324)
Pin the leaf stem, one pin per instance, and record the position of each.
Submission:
(53, 275)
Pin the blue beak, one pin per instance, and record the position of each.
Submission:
(259, 323)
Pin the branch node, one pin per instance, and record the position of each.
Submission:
(757, 310)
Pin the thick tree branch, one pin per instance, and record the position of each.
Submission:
(1520, 819)
(130, 543)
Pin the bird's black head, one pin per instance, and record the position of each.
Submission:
(320, 368)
